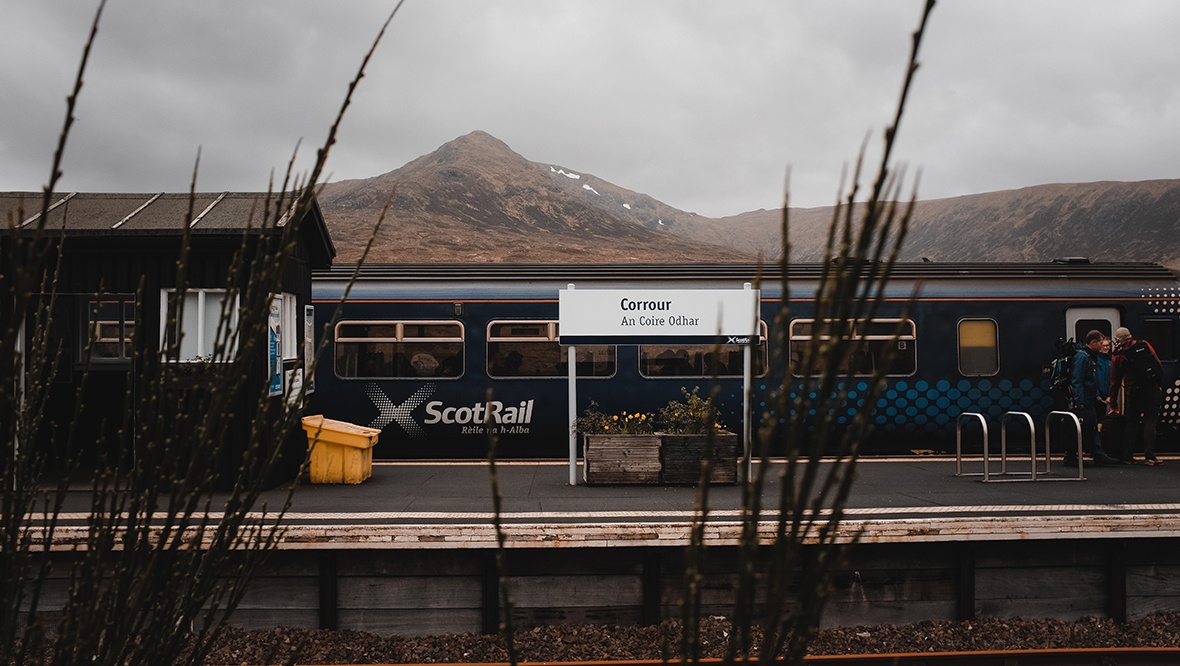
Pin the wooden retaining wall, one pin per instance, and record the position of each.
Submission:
(430, 592)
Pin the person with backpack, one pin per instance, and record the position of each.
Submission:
(1111, 423)
(1135, 378)
(1084, 399)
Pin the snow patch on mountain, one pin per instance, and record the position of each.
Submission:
(567, 174)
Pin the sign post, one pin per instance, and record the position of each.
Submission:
(571, 358)
(649, 316)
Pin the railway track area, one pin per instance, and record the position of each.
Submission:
(1007, 642)
(411, 552)
(1080, 657)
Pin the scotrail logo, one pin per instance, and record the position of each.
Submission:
(400, 413)
(492, 412)
(481, 413)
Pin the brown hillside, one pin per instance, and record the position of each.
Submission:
(1105, 221)
(475, 200)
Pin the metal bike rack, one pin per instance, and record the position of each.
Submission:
(959, 444)
(1077, 424)
(1032, 429)
(1030, 475)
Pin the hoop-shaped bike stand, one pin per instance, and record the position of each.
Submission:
(1077, 425)
(1032, 474)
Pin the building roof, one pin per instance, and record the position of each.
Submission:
(131, 214)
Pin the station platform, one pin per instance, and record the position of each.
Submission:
(448, 504)
(412, 550)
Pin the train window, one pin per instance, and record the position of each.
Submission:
(1161, 333)
(398, 349)
(530, 349)
(1083, 327)
(701, 360)
(979, 347)
(871, 339)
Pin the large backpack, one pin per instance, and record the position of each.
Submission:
(1059, 369)
(1141, 366)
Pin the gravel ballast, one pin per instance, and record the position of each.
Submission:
(592, 642)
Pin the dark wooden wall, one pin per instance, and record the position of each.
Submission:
(424, 592)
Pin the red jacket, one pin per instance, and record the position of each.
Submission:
(1118, 369)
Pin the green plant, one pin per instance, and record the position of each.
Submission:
(694, 416)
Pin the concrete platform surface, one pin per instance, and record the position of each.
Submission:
(448, 504)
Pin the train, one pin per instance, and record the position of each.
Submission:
(435, 354)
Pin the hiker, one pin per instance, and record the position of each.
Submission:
(1135, 390)
(1083, 382)
(1111, 424)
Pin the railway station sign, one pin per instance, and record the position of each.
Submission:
(647, 316)
(641, 316)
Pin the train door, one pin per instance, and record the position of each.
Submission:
(1080, 321)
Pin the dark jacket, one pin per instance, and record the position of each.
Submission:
(1119, 377)
(1083, 378)
(1103, 361)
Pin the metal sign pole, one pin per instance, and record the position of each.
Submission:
(747, 380)
(571, 361)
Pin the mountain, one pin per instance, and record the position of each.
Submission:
(474, 200)
(1105, 221)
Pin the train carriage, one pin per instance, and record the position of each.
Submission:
(436, 355)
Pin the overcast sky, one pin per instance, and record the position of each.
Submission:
(704, 105)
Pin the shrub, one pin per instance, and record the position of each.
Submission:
(694, 416)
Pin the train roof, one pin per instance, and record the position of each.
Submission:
(1082, 269)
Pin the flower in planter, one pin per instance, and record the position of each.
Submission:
(694, 416)
(594, 422)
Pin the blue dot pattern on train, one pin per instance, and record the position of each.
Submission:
(918, 405)
(915, 406)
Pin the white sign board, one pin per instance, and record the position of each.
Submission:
(691, 316)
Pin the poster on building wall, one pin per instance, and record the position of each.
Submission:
(309, 346)
(274, 347)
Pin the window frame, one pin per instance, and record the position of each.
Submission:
(289, 322)
(552, 333)
(205, 349)
(855, 324)
(128, 309)
(399, 338)
(959, 346)
(761, 349)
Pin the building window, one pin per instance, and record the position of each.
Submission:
(289, 325)
(398, 349)
(872, 341)
(110, 327)
(701, 360)
(530, 349)
(199, 325)
(979, 347)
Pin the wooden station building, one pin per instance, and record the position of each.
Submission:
(120, 272)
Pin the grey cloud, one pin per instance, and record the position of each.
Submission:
(702, 105)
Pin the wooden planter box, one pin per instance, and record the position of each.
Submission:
(621, 459)
(681, 456)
